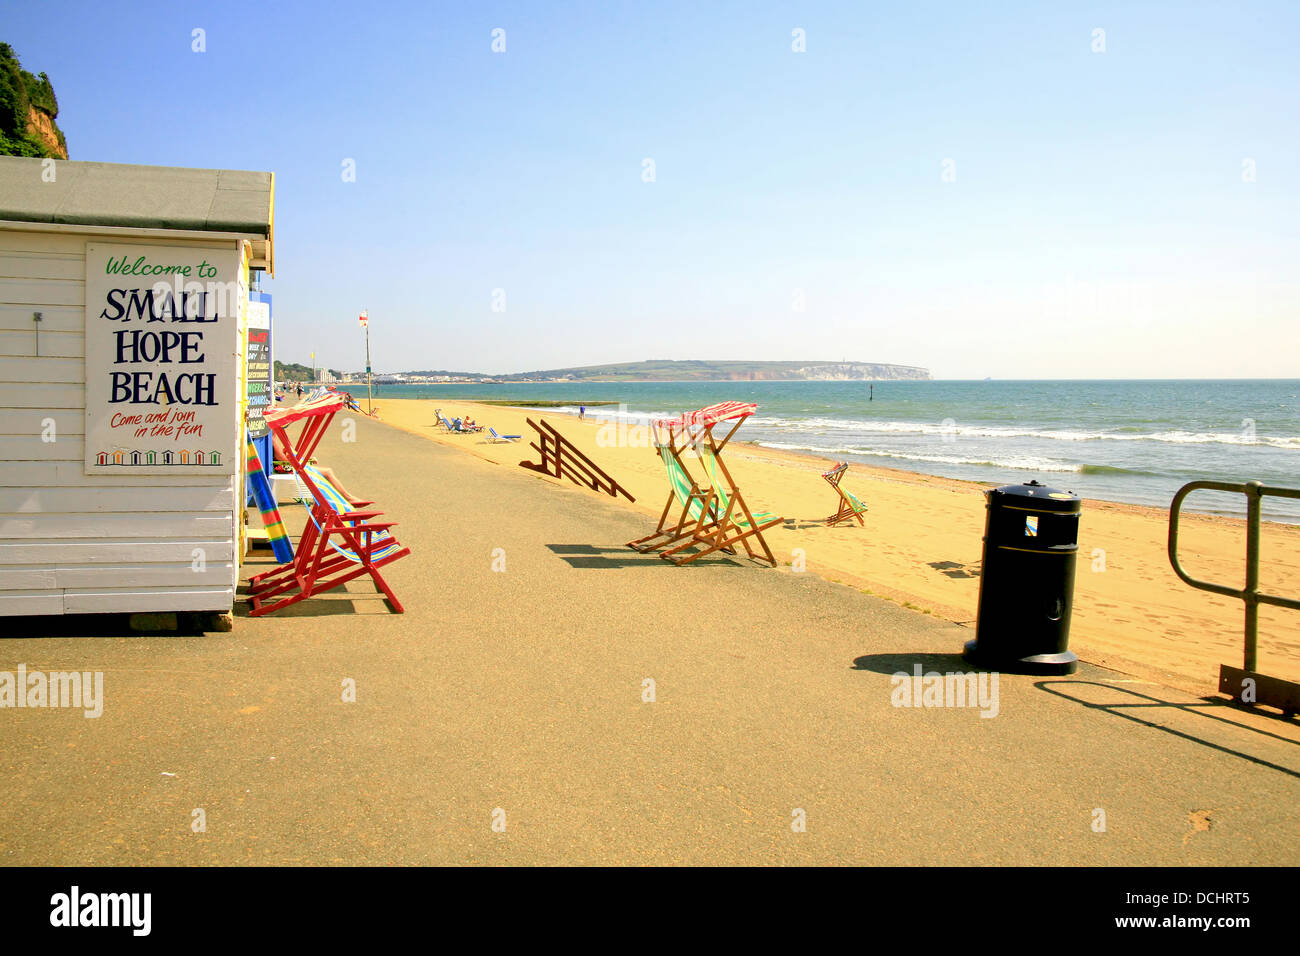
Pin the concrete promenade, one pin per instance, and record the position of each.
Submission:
(522, 691)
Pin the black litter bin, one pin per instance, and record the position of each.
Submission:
(1031, 543)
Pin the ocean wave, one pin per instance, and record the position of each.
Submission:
(1019, 463)
(954, 429)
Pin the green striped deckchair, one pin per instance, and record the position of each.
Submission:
(696, 512)
(723, 520)
(735, 523)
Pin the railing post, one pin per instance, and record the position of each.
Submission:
(1251, 596)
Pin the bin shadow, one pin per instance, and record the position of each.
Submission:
(1154, 712)
(891, 664)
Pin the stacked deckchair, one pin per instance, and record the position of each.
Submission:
(341, 540)
(689, 508)
(713, 515)
(850, 505)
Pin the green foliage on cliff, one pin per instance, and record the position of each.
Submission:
(20, 93)
(293, 372)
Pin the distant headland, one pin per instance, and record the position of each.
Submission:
(654, 370)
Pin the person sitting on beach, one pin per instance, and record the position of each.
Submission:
(282, 455)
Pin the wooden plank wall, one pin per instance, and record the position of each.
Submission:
(72, 543)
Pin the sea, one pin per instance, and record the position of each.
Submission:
(1126, 441)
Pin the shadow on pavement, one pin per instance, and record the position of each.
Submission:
(97, 625)
(905, 663)
(322, 605)
(589, 556)
(1157, 713)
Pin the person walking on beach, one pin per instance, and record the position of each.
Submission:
(582, 412)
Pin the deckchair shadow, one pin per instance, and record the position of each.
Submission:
(591, 557)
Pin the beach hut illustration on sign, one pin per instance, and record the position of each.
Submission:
(185, 456)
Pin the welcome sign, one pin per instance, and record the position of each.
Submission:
(162, 336)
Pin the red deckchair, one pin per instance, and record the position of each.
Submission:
(339, 542)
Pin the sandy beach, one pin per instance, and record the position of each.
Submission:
(921, 546)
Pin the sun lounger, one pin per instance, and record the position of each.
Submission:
(850, 506)
(457, 427)
(502, 438)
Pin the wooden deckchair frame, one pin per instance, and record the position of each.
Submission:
(563, 459)
(847, 509)
(317, 567)
(719, 526)
(670, 532)
(727, 531)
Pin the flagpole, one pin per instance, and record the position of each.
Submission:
(365, 324)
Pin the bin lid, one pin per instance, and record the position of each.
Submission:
(1044, 498)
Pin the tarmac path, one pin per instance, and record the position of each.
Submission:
(517, 697)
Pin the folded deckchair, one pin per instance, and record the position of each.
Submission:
(850, 506)
(276, 536)
(341, 540)
(725, 519)
(502, 438)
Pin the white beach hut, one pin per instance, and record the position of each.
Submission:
(123, 302)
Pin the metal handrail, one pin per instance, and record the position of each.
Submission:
(1250, 594)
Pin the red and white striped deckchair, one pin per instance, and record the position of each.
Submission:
(725, 520)
(341, 540)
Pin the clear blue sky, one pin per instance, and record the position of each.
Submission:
(1098, 225)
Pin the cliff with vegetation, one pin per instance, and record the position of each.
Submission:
(28, 110)
(293, 372)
